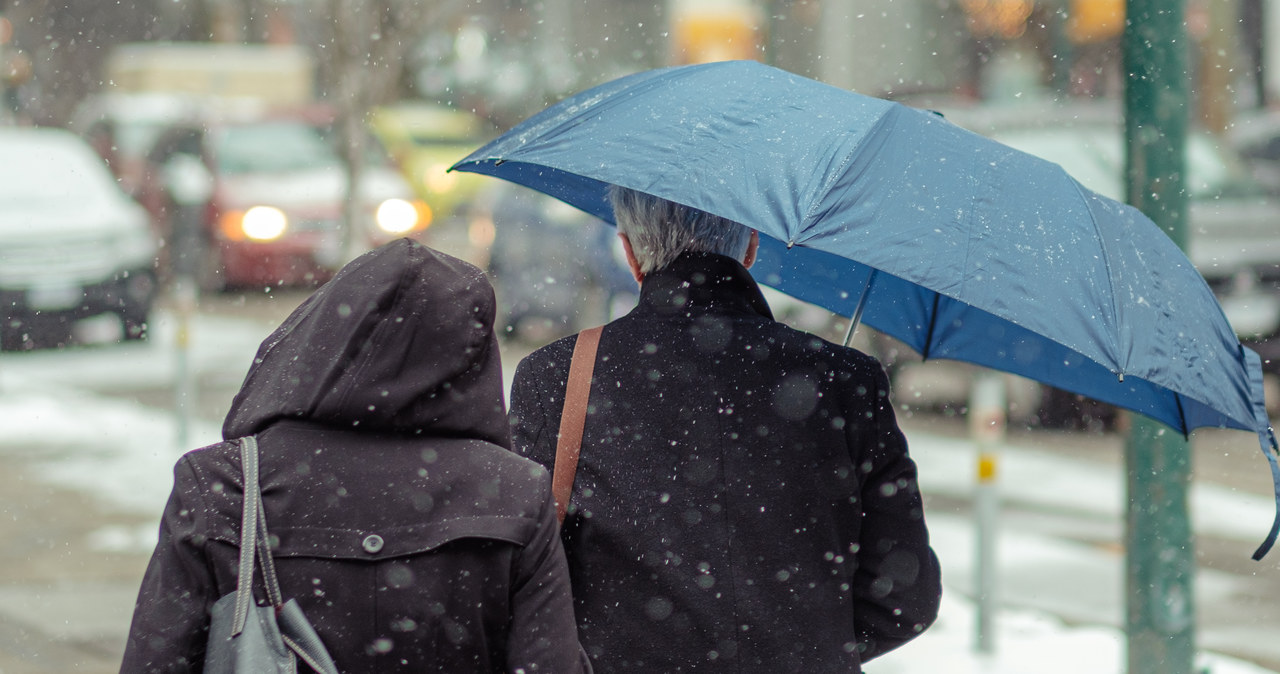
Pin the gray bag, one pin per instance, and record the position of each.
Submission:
(244, 637)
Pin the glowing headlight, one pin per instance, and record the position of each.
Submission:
(264, 223)
(438, 179)
(396, 216)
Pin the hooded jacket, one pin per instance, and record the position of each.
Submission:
(409, 533)
(744, 499)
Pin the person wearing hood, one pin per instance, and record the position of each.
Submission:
(410, 534)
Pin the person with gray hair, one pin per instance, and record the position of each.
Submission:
(656, 231)
(744, 500)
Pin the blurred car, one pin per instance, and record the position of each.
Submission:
(380, 178)
(121, 127)
(424, 140)
(1256, 137)
(72, 244)
(555, 269)
(1233, 232)
(274, 213)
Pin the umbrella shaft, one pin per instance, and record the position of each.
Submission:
(857, 311)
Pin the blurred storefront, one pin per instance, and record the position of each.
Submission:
(509, 58)
(705, 31)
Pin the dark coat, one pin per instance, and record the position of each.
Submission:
(379, 412)
(744, 500)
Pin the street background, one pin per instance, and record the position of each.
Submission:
(88, 433)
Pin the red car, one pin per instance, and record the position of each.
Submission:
(270, 206)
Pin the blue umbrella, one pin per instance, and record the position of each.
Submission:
(955, 244)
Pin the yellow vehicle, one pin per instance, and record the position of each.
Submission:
(425, 139)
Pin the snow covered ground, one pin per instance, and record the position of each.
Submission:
(123, 453)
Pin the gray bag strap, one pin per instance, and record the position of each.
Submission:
(253, 518)
(264, 546)
(296, 631)
(249, 517)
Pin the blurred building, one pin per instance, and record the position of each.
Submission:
(509, 58)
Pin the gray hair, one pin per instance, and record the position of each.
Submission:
(660, 230)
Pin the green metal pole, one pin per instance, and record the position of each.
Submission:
(1160, 558)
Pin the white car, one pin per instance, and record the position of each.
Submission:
(73, 245)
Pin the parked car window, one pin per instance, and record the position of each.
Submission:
(174, 142)
(44, 175)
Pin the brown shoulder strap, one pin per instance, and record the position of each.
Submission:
(573, 418)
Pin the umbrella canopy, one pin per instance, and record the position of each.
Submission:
(955, 244)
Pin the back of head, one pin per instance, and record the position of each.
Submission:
(400, 341)
(660, 230)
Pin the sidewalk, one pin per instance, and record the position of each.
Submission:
(67, 589)
(1061, 558)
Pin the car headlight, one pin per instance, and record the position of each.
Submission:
(438, 179)
(260, 223)
(400, 216)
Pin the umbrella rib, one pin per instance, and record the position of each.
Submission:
(833, 176)
(933, 321)
(1182, 415)
(1106, 261)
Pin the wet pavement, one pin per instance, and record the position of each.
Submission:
(65, 596)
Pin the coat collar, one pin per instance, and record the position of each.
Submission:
(701, 282)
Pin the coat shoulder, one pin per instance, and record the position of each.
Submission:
(842, 357)
(212, 463)
(509, 466)
(551, 356)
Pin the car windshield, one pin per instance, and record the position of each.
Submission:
(275, 147)
(134, 138)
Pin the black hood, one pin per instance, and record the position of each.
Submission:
(400, 341)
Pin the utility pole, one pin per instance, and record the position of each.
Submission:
(190, 187)
(1159, 560)
(352, 27)
(987, 424)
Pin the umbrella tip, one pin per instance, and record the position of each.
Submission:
(790, 244)
(1120, 375)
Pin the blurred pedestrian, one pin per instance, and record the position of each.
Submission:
(744, 500)
(409, 533)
